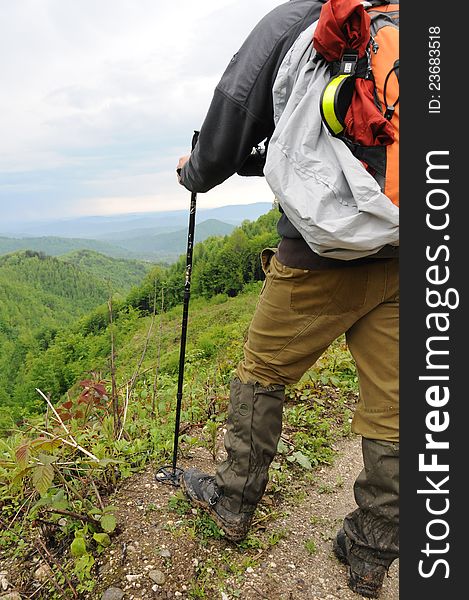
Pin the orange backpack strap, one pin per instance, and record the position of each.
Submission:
(385, 67)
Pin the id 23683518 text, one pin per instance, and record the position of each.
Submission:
(434, 69)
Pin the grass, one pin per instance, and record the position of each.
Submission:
(311, 547)
(39, 476)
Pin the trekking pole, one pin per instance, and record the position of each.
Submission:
(171, 473)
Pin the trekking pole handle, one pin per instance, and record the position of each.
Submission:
(195, 137)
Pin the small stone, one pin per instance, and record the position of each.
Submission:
(42, 573)
(105, 569)
(249, 570)
(113, 593)
(194, 511)
(178, 594)
(224, 596)
(4, 583)
(157, 576)
(165, 553)
(132, 578)
(273, 565)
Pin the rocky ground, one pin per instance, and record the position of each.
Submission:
(165, 549)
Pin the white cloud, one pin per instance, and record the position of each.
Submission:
(234, 192)
(97, 94)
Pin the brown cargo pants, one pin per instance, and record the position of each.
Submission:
(298, 315)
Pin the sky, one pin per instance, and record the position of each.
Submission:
(100, 98)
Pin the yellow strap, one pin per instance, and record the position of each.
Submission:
(328, 104)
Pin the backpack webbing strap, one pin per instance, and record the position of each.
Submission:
(337, 94)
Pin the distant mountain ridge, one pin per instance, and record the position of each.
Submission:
(101, 226)
(142, 245)
(173, 243)
(156, 237)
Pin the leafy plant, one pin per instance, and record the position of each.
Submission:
(310, 546)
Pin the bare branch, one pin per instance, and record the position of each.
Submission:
(124, 418)
(71, 443)
(157, 369)
(72, 515)
(47, 556)
(98, 496)
(49, 403)
(114, 395)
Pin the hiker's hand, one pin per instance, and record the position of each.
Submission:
(181, 163)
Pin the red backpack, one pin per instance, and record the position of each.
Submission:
(360, 104)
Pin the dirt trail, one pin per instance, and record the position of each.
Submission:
(157, 554)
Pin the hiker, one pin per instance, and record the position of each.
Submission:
(308, 300)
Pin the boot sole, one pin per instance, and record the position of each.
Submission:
(363, 590)
(229, 535)
(355, 583)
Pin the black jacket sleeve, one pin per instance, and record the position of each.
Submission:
(241, 112)
(226, 138)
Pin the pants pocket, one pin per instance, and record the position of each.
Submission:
(330, 292)
(266, 259)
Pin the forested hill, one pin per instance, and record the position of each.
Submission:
(39, 295)
(48, 355)
(32, 283)
(122, 274)
(56, 246)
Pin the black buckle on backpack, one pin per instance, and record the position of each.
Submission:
(348, 64)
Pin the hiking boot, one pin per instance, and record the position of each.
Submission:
(203, 492)
(365, 576)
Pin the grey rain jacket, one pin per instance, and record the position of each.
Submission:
(241, 116)
(327, 193)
